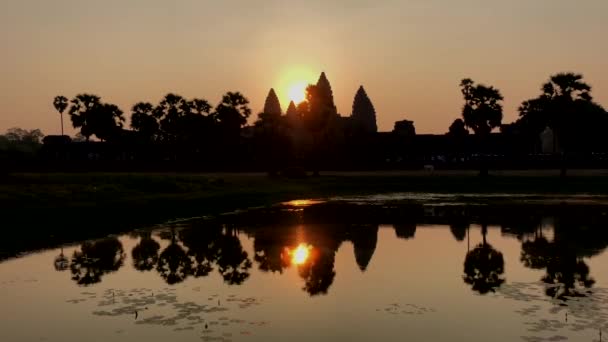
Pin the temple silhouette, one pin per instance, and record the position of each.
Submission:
(558, 129)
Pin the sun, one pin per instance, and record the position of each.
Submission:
(297, 92)
(291, 82)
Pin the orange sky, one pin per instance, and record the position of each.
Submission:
(410, 55)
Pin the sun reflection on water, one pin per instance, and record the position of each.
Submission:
(302, 203)
(300, 254)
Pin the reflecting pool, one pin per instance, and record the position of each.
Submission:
(385, 269)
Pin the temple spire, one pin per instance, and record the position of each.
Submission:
(272, 106)
(364, 113)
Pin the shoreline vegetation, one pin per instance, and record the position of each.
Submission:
(49, 209)
(173, 195)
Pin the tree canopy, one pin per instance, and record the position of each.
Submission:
(94, 117)
(232, 113)
(458, 129)
(482, 110)
(565, 105)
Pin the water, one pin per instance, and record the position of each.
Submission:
(378, 268)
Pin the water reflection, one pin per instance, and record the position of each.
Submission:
(562, 258)
(484, 266)
(233, 262)
(300, 254)
(389, 268)
(145, 253)
(61, 263)
(302, 239)
(174, 265)
(94, 259)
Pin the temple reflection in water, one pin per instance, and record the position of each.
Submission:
(307, 235)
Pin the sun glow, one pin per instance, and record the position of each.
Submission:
(297, 92)
(302, 203)
(291, 84)
(300, 254)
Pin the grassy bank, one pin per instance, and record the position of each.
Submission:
(150, 197)
(56, 208)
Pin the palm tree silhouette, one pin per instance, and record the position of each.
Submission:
(60, 103)
(482, 112)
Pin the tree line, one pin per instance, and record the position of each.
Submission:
(315, 132)
(565, 105)
(173, 119)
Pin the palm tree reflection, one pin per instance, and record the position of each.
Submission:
(203, 249)
(272, 247)
(173, 265)
(233, 262)
(145, 253)
(318, 272)
(484, 266)
(61, 262)
(566, 273)
(95, 259)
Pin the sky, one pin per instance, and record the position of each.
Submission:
(410, 55)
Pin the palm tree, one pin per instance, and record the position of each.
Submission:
(169, 112)
(567, 107)
(60, 103)
(232, 113)
(482, 112)
(568, 86)
(144, 122)
(107, 121)
(570, 108)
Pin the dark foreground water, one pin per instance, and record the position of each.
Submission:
(383, 269)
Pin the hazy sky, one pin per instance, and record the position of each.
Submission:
(409, 54)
